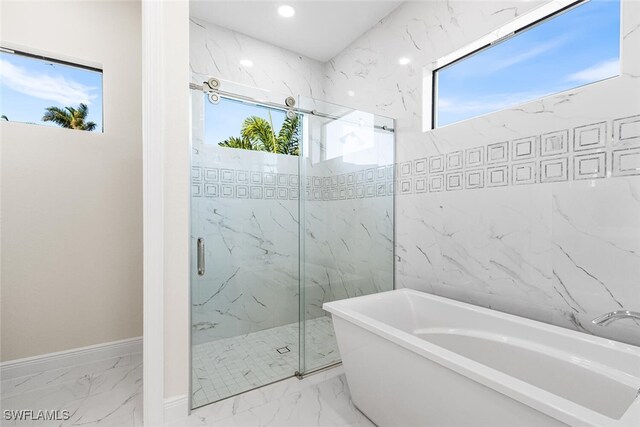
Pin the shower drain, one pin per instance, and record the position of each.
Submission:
(283, 350)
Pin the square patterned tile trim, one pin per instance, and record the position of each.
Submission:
(594, 150)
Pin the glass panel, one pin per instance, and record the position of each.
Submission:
(575, 48)
(241, 125)
(49, 92)
(347, 242)
(244, 208)
(254, 321)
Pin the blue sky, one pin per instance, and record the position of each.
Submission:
(28, 86)
(578, 47)
(225, 119)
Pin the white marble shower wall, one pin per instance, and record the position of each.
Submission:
(247, 202)
(349, 227)
(245, 207)
(252, 229)
(485, 212)
(349, 240)
(216, 52)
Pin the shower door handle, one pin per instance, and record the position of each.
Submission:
(200, 256)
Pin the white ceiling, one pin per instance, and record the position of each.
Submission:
(320, 29)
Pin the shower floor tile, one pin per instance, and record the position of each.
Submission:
(231, 366)
(322, 400)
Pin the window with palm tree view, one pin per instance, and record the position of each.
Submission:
(44, 91)
(237, 124)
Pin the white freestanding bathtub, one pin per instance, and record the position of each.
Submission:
(414, 359)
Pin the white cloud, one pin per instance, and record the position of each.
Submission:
(59, 89)
(486, 104)
(529, 54)
(603, 70)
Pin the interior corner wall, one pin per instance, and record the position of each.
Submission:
(216, 52)
(71, 200)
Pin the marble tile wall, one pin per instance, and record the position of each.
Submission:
(216, 52)
(349, 242)
(251, 281)
(227, 183)
(592, 151)
(546, 231)
(246, 203)
(252, 242)
(561, 252)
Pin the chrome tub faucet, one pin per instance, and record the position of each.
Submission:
(607, 318)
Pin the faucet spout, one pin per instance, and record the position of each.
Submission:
(607, 318)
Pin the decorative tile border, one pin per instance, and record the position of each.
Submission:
(524, 148)
(590, 136)
(554, 143)
(243, 184)
(523, 173)
(590, 151)
(626, 130)
(626, 162)
(498, 176)
(554, 170)
(590, 166)
(498, 153)
(474, 156)
(474, 178)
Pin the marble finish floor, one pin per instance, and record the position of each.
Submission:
(230, 366)
(109, 393)
(319, 400)
(106, 392)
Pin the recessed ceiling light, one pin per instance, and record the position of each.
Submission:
(286, 11)
(246, 63)
(404, 60)
(351, 93)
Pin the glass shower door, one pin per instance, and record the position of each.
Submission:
(245, 246)
(259, 275)
(347, 209)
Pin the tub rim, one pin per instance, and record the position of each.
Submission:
(544, 401)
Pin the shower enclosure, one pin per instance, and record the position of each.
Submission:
(291, 207)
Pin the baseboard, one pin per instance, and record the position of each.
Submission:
(69, 358)
(175, 409)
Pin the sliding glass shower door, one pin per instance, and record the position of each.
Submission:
(244, 240)
(291, 207)
(347, 217)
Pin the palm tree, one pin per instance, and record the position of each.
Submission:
(69, 117)
(288, 138)
(234, 142)
(258, 134)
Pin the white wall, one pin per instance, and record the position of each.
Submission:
(71, 200)
(176, 139)
(560, 250)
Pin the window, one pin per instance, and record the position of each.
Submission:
(45, 91)
(571, 47)
(236, 124)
